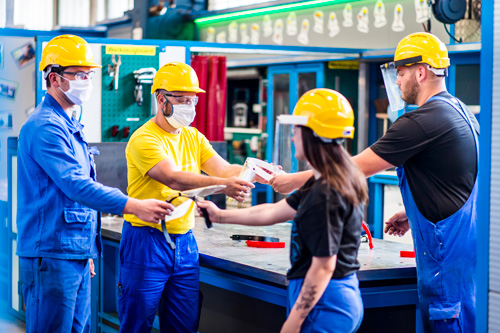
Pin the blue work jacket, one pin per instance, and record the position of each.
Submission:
(57, 195)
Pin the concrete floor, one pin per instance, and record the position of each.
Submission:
(9, 323)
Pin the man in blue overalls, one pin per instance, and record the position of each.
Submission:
(57, 219)
(435, 149)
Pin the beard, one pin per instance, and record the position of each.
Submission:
(411, 92)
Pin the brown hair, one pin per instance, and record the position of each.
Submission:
(334, 164)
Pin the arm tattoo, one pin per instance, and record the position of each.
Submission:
(306, 297)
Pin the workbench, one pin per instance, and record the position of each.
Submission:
(245, 288)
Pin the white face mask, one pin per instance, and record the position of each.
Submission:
(182, 115)
(79, 90)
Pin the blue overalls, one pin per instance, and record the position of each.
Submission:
(58, 225)
(156, 279)
(446, 257)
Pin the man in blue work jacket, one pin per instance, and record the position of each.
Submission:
(58, 198)
(436, 152)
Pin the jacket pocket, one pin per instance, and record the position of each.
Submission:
(77, 215)
(75, 236)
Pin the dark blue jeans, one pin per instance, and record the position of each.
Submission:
(57, 294)
(340, 308)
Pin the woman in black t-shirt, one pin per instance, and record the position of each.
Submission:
(323, 288)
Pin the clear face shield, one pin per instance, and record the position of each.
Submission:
(284, 151)
(396, 104)
(390, 75)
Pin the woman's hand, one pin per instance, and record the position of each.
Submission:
(262, 180)
(214, 213)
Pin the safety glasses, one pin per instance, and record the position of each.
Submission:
(188, 100)
(80, 75)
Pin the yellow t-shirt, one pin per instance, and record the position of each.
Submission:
(148, 146)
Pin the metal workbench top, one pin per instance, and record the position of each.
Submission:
(219, 251)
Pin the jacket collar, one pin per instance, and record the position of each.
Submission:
(72, 124)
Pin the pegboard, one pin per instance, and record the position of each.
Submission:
(118, 107)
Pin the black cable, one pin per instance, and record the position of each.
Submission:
(449, 34)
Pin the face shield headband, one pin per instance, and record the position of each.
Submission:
(284, 151)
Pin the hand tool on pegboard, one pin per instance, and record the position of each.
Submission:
(114, 71)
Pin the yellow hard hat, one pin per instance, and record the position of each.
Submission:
(325, 111)
(422, 47)
(67, 50)
(176, 76)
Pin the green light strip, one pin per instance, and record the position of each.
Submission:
(269, 10)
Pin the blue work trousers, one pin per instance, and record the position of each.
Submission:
(154, 278)
(56, 293)
(340, 308)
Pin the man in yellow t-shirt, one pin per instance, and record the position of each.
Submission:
(164, 156)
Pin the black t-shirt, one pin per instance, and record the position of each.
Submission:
(325, 224)
(435, 145)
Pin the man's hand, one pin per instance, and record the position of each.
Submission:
(148, 210)
(282, 183)
(237, 188)
(289, 182)
(92, 268)
(397, 225)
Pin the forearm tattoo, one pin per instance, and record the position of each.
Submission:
(306, 297)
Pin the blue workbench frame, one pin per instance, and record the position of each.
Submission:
(267, 287)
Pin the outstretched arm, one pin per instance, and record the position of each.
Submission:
(370, 163)
(265, 214)
(166, 172)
